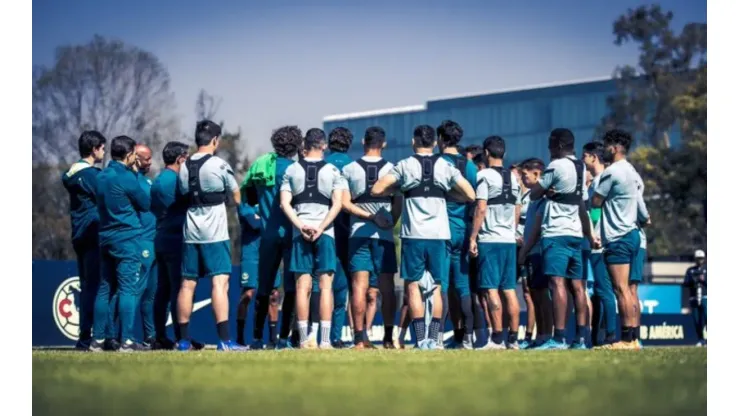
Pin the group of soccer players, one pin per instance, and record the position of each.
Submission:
(467, 222)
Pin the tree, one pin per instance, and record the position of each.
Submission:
(666, 92)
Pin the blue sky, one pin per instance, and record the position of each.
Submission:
(279, 62)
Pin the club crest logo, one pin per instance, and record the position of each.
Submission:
(145, 254)
(66, 308)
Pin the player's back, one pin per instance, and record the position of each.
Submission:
(274, 222)
(500, 189)
(561, 212)
(620, 183)
(459, 212)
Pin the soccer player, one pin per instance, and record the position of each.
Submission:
(564, 225)
(249, 223)
(521, 269)
(424, 178)
(262, 186)
(636, 269)
(530, 255)
(696, 282)
(206, 179)
(619, 194)
(493, 241)
(148, 277)
(170, 206)
(311, 197)
(372, 251)
(604, 302)
(80, 181)
(120, 201)
(449, 134)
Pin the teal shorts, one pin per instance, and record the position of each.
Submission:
(497, 266)
(562, 257)
(457, 250)
(624, 250)
(274, 250)
(206, 259)
(372, 255)
(637, 266)
(317, 257)
(418, 255)
(249, 278)
(536, 278)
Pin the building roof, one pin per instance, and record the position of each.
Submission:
(423, 107)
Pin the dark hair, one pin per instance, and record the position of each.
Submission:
(514, 166)
(172, 151)
(287, 141)
(424, 136)
(563, 139)
(121, 146)
(618, 137)
(89, 140)
(595, 148)
(496, 146)
(450, 133)
(314, 139)
(532, 164)
(205, 131)
(340, 139)
(474, 149)
(480, 160)
(374, 137)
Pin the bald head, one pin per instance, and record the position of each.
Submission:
(143, 157)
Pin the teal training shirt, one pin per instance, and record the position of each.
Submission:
(274, 222)
(120, 201)
(342, 222)
(169, 206)
(460, 214)
(80, 181)
(148, 219)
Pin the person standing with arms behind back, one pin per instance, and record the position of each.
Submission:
(80, 182)
(696, 282)
(206, 179)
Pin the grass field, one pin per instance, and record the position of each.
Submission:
(668, 381)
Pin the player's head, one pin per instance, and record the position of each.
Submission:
(494, 147)
(122, 150)
(315, 140)
(616, 144)
(561, 143)
(174, 154)
(449, 134)
(287, 141)
(207, 134)
(699, 257)
(514, 168)
(593, 155)
(480, 162)
(472, 151)
(424, 137)
(531, 171)
(340, 139)
(91, 143)
(374, 138)
(143, 157)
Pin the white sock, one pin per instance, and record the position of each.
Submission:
(441, 337)
(325, 332)
(303, 330)
(314, 328)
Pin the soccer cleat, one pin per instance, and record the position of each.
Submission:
(524, 345)
(325, 346)
(257, 345)
(284, 344)
(270, 346)
(183, 345)
(149, 343)
(230, 346)
(197, 345)
(619, 345)
(551, 344)
(369, 345)
(513, 346)
(83, 344)
(578, 344)
(466, 345)
(490, 345)
(389, 345)
(432, 344)
(308, 345)
(163, 344)
(637, 344)
(422, 345)
(359, 346)
(131, 346)
(112, 345)
(96, 346)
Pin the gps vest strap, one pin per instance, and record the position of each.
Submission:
(572, 198)
(426, 188)
(311, 192)
(197, 197)
(372, 174)
(461, 163)
(506, 197)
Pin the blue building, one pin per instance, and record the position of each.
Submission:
(524, 117)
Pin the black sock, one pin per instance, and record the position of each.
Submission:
(314, 306)
(497, 337)
(184, 331)
(513, 335)
(466, 307)
(273, 332)
(626, 334)
(388, 334)
(581, 331)
(636, 333)
(223, 331)
(287, 318)
(240, 331)
(528, 336)
(359, 337)
(260, 313)
(434, 329)
(459, 335)
(420, 329)
(559, 335)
